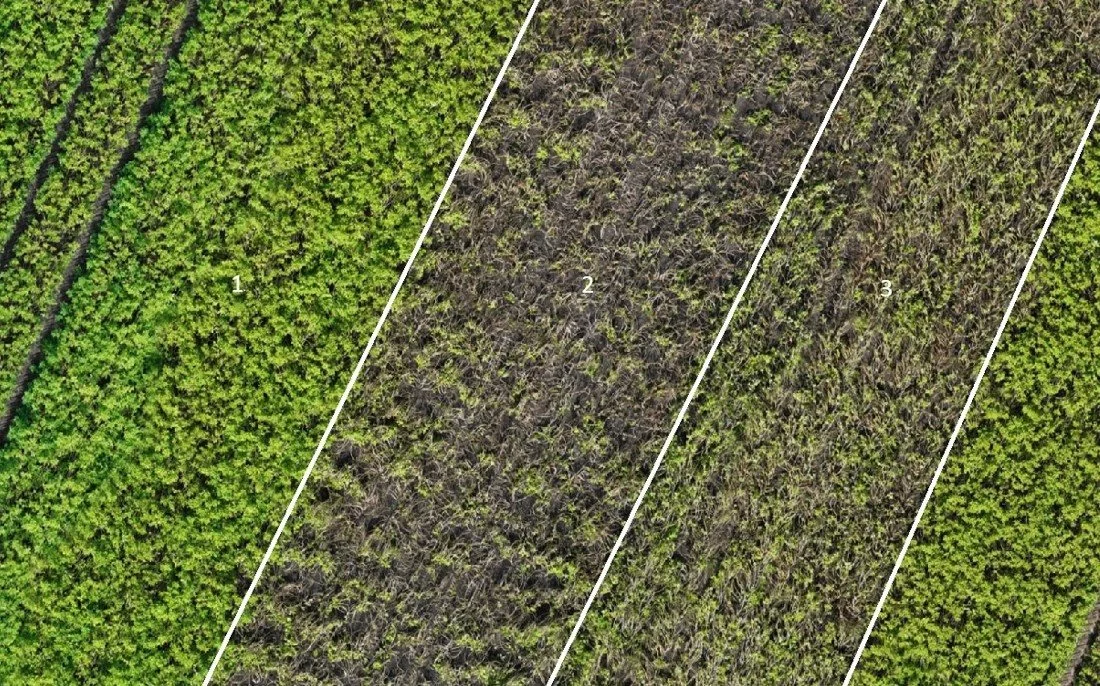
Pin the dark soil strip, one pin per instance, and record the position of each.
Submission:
(61, 132)
(1084, 643)
(76, 263)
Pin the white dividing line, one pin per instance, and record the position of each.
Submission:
(373, 337)
(714, 346)
(973, 392)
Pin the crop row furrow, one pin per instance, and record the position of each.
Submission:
(47, 251)
(1082, 669)
(106, 32)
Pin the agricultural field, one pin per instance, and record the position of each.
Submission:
(206, 204)
(491, 447)
(489, 457)
(44, 50)
(763, 549)
(297, 146)
(99, 138)
(1006, 565)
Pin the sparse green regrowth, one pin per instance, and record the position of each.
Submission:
(763, 544)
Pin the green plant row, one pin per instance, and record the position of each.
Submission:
(103, 119)
(43, 47)
(299, 148)
(1006, 564)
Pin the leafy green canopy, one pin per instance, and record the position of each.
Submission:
(102, 119)
(300, 147)
(43, 46)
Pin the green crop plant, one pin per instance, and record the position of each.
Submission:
(298, 147)
(43, 49)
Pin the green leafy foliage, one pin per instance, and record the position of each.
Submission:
(102, 119)
(43, 46)
(300, 146)
(1006, 565)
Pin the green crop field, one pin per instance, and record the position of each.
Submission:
(486, 458)
(298, 146)
(205, 204)
(44, 47)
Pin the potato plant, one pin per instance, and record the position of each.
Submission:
(43, 49)
(299, 147)
(490, 452)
